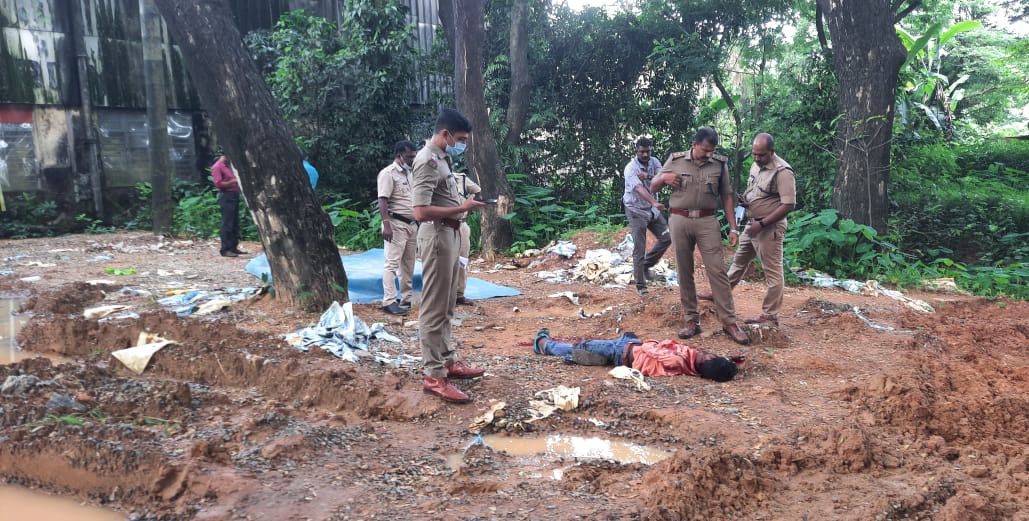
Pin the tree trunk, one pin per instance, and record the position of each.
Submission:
(521, 83)
(469, 86)
(867, 55)
(295, 232)
(156, 117)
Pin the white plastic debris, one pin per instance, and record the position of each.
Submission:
(137, 358)
(102, 311)
(869, 288)
(565, 249)
(340, 332)
(572, 297)
(628, 373)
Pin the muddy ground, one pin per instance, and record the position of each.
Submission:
(830, 419)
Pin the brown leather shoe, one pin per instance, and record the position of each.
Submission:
(444, 389)
(762, 320)
(705, 296)
(462, 371)
(461, 301)
(691, 330)
(736, 334)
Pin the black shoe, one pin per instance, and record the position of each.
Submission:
(229, 253)
(461, 301)
(583, 357)
(406, 306)
(238, 251)
(395, 309)
(642, 291)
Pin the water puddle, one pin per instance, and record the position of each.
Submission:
(10, 324)
(20, 503)
(557, 446)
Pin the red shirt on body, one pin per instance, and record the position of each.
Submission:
(666, 358)
(223, 177)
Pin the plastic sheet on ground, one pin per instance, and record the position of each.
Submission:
(137, 358)
(364, 278)
(869, 288)
(549, 401)
(102, 311)
(342, 333)
(187, 302)
(486, 419)
(628, 373)
(565, 249)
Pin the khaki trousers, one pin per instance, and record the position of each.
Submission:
(704, 233)
(466, 248)
(439, 245)
(766, 246)
(400, 257)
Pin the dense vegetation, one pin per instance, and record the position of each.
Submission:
(959, 187)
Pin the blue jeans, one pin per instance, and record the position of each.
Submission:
(613, 349)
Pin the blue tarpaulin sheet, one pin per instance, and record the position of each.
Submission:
(364, 278)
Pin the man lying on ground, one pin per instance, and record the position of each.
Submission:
(650, 357)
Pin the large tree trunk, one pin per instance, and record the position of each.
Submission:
(295, 232)
(521, 83)
(867, 55)
(156, 117)
(484, 161)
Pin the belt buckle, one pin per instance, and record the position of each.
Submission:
(693, 214)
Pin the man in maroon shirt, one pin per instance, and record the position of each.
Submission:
(228, 201)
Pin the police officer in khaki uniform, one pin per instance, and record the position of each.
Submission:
(467, 188)
(700, 181)
(771, 194)
(439, 208)
(398, 228)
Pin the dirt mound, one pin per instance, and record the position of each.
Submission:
(67, 299)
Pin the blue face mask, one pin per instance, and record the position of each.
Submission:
(457, 149)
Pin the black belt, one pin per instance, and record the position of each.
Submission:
(401, 218)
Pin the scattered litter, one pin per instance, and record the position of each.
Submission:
(572, 297)
(100, 258)
(211, 306)
(551, 400)
(133, 292)
(6, 273)
(119, 316)
(38, 264)
(515, 309)
(411, 324)
(100, 282)
(584, 315)
(870, 288)
(596, 422)
(878, 327)
(187, 302)
(64, 402)
(102, 311)
(120, 271)
(943, 285)
(34, 278)
(340, 332)
(565, 249)
(555, 277)
(628, 373)
(137, 358)
(165, 273)
(531, 252)
(486, 419)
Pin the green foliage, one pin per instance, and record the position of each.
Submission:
(197, 214)
(28, 216)
(345, 90)
(540, 216)
(356, 228)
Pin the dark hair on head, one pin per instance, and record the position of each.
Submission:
(403, 146)
(644, 141)
(719, 369)
(452, 120)
(706, 135)
(767, 139)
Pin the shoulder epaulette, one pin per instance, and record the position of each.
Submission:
(677, 155)
(718, 157)
(432, 160)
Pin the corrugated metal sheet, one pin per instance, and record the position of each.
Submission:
(17, 157)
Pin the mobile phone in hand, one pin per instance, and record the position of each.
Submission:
(487, 201)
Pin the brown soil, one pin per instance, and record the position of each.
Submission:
(830, 419)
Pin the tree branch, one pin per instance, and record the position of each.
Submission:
(912, 5)
(820, 27)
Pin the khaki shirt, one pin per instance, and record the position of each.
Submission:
(465, 185)
(395, 185)
(763, 198)
(434, 183)
(702, 185)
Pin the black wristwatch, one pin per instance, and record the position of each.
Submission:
(761, 221)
